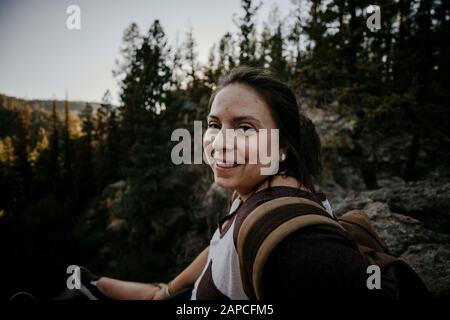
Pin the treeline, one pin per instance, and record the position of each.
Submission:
(51, 167)
(54, 154)
(386, 93)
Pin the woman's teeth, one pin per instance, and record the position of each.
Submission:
(227, 165)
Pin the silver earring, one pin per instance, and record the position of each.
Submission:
(283, 156)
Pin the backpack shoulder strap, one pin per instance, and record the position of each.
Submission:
(359, 226)
(268, 225)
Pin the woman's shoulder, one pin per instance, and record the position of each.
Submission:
(318, 239)
(318, 260)
(281, 188)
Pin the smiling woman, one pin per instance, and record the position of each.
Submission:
(280, 239)
(322, 260)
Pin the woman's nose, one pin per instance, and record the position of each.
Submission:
(224, 140)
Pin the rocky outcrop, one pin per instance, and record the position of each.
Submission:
(427, 197)
(413, 220)
(427, 200)
(400, 231)
(432, 262)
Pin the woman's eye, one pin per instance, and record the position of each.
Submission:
(213, 125)
(246, 129)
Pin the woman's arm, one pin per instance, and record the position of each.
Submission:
(188, 276)
(126, 290)
(123, 290)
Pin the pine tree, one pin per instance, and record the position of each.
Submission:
(113, 151)
(318, 75)
(277, 52)
(144, 99)
(131, 39)
(264, 48)
(246, 25)
(85, 185)
(227, 55)
(177, 68)
(129, 73)
(107, 143)
(143, 88)
(210, 70)
(6, 175)
(294, 38)
(68, 152)
(22, 167)
(52, 171)
(190, 57)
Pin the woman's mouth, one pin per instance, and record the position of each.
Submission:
(225, 167)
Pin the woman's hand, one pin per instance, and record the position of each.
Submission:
(161, 294)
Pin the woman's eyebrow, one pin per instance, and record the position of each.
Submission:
(211, 116)
(246, 118)
(237, 119)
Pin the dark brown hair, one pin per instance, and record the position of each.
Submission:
(297, 132)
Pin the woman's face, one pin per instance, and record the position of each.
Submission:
(240, 108)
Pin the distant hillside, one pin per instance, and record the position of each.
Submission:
(74, 106)
(41, 114)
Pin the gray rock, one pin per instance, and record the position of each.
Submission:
(432, 262)
(400, 231)
(351, 202)
(391, 182)
(421, 197)
(427, 201)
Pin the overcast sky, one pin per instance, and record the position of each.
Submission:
(40, 57)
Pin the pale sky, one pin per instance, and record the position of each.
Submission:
(40, 57)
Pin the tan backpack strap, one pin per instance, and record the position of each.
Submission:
(268, 224)
(358, 224)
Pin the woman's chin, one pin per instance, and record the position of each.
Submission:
(225, 183)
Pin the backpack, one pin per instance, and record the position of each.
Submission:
(272, 221)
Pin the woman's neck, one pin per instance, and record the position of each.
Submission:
(277, 181)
